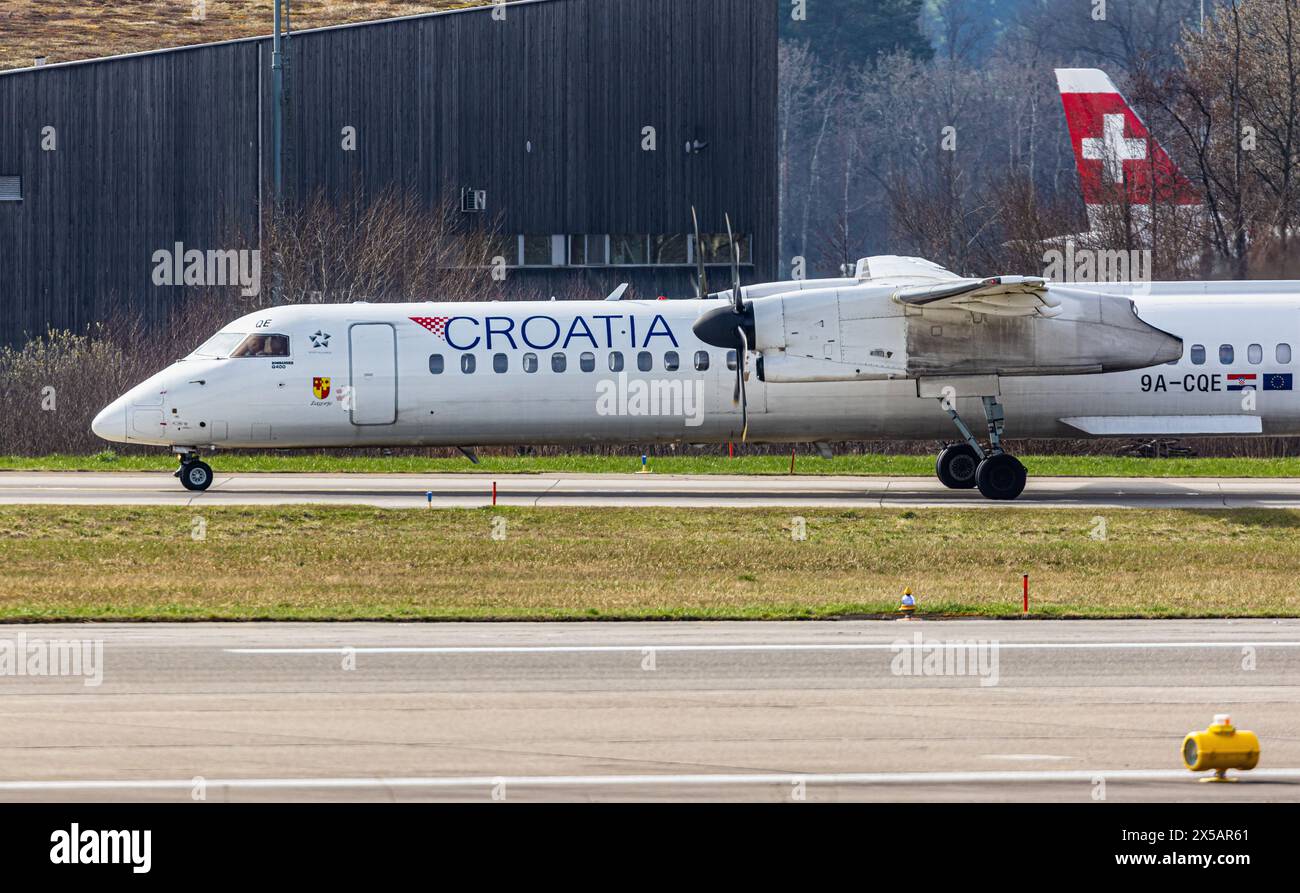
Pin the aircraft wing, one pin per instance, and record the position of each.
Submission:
(999, 296)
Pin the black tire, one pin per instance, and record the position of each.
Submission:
(196, 476)
(1001, 477)
(956, 466)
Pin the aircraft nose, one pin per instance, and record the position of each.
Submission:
(110, 424)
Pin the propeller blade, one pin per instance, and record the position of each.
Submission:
(740, 383)
(701, 281)
(736, 299)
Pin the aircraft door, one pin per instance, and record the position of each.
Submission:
(373, 373)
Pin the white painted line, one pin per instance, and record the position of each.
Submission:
(598, 781)
(838, 646)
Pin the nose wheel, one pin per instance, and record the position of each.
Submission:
(962, 466)
(194, 474)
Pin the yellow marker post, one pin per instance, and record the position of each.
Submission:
(908, 605)
(1221, 747)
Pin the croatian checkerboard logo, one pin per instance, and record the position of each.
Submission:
(435, 324)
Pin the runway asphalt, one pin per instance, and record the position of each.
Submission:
(1040, 711)
(467, 491)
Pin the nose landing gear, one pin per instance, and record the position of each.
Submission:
(194, 473)
(961, 466)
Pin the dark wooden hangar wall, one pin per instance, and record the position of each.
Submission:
(165, 147)
(151, 150)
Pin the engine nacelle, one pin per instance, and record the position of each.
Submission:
(832, 334)
(862, 334)
(926, 326)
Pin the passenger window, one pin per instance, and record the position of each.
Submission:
(1284, 353)
(263, 346)
(500, 362)
(436, 364)
(701, 361)
(530, 362)
(1198, 354)
(732, 360)
(671, 361)
(1226, 353)
(467, 363)
(559, 362)
(587, 361)
(644, 361)
(616, 361)
(1255, 354)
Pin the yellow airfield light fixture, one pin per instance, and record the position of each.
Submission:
(1221, 747)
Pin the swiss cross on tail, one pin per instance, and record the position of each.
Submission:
(435, 324)
(1117, 156)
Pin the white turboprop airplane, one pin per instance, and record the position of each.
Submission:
(903, 350)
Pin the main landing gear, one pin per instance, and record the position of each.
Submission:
(194, 473)
(964, 465)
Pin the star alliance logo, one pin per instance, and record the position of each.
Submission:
(320, 339)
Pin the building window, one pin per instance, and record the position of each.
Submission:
(587, 361)
(1226, 353)
(616, 361)
(1198, 354)
(672, 362)
(627, 251)
(559, 362)
(500, 362)
(467, 363)
(717, 248)
(588, 251)
(1255, 354)
(701, 361)
(1283, 353)
(436, 364)
(536, 251)
(530, 362)
(11, 189)
(668, 251)
(645, 361)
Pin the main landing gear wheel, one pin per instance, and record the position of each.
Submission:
(956, 466)
(1001, 476)
(195, 475)
(998, 475)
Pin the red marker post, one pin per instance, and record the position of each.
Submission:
(1025, 580)
(494, 493)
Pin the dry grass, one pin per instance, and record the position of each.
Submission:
(346, 563)
(68, 30)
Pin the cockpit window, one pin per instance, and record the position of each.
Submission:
(219, 346)
(258, 345)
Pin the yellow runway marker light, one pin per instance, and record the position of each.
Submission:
(1221, 747)
(908, 605)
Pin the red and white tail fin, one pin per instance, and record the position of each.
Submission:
(1117, 157)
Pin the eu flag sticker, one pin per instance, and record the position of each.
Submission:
(1277, 381)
